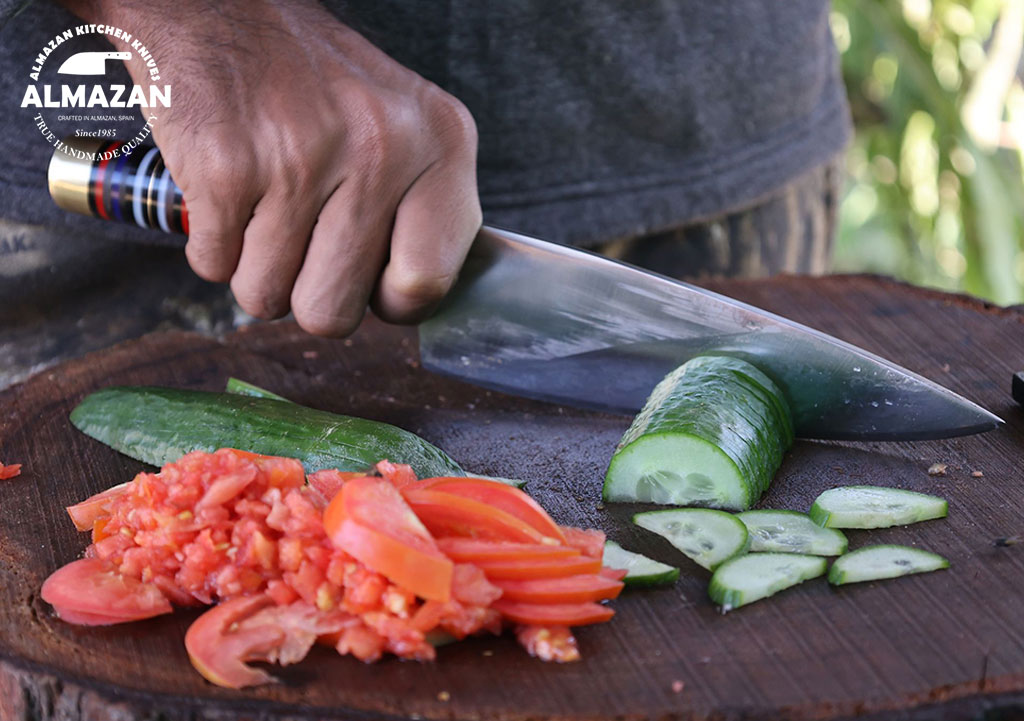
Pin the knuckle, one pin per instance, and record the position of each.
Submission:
(456, 122)
(256, 301)
(207, 255)
(314, 320)
(418, 288)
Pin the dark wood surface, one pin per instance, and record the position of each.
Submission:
(942, 645)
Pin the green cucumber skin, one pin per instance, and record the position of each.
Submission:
(665, 575)
(159, 425)
(245, 388)
(725, 402)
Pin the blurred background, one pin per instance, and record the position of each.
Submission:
(935, 192)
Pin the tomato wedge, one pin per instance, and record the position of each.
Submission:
(502, 496)
(370, 521)
(219, 653)
(93, 592)
(567, 589)
(93, 508)
(553, 614)
(472, 550)
(555, 568)
(447, 514)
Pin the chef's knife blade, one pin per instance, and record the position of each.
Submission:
(547, 321)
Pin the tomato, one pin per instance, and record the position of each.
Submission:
(219, 648)
(566, 589)
(329, 481)
(446, 514)
(555, 568)
(589, 541)
(398, 475)
(472, 550)
(93, 508)
(553, 614)
(92, 588)
(9, 471)
(549, 643)
(499, 495)
(370, 521)
(616, 574)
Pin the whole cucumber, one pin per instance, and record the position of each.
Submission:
(158, 425)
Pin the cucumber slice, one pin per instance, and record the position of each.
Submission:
(707, 536)
(873, 563)
(791, 532)
(640, 570)
(712, 433)
(750, 578)
(875, 507)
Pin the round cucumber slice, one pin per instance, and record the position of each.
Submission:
(750, 578)
(640, 570)
(875, 507)
(706, 536)
(791, 532)
(873, 563)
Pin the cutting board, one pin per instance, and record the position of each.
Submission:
(946, 644)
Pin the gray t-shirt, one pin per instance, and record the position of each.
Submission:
(597, 119)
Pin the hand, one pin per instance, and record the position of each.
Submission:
(319, 174)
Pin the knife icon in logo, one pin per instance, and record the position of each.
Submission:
(91, 63)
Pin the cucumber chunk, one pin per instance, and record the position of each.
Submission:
(640, 570)
(712, 433)
(875, 507)
(750, 578)
(873, 563)
(791, 532)
(706, 536)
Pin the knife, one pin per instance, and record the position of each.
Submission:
(556, 323)
(559, 324)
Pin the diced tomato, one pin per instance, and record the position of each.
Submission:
(540, 569)
(498, 495)
(549, 643)
(86, 513)
(329, 481)
(93, 588)
(589, 541)
(553, 614)
(446, 514)
(370, 521)
(398, 475)
(567, 589)
(9, 471)
(472, 550)
(470, 585)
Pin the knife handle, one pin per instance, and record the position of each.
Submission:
(99, 178)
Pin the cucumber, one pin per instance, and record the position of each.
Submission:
(791, 532)
(640, 570)
(873, 563)
(875, 507)
(750, 578)
(244, 388)
(159, 425)
(712, 433)
(706, 536)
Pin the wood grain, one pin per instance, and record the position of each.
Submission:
(943, 645)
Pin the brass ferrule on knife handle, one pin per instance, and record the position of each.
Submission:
(98, 178)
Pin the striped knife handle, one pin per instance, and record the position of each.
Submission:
(99, 178)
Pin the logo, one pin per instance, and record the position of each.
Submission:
(78, 91)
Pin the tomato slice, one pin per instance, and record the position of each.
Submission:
(553, 614)
(370, 521)
(555, 568)
(616, 574)
(589, 541)
(507, 498)
(91, 588)
(472, 550)
(566, 589)
(447, 514)
(218, 648)
(87, 512)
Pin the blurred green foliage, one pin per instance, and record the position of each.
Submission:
(935, 192)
